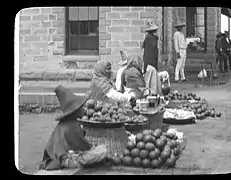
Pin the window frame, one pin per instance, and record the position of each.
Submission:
(80, 51)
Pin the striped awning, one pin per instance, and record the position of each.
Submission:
(226, 11)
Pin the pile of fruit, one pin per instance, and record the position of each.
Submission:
(96, 111)
(182, 96)
(151, 149)
(137, 119)
(199, 107)
(201, 110)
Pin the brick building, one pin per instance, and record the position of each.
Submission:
(77, 37)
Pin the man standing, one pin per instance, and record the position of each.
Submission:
(220, 54)
(150, 46)
(227, 47)
(180, 48)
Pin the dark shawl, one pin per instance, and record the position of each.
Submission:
(132, 76)
(67, 135)
(101, 82)
(150, 46)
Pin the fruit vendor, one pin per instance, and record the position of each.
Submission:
(123, 64)
(150, 46)
(102, 88)
(67, 146)
(180, 49)
(132, 77)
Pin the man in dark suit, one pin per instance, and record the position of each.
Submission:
(226, 50)
(228, 44)
(220, 54)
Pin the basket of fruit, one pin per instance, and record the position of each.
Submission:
(151, 149)
(99, 115)
(178, 116)
(104, 124)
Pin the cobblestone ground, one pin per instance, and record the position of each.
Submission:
(208, 150)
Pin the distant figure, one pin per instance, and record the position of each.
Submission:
(150, 46)
(220, 54)
(180, 48)
(227, 46)
(164, 77)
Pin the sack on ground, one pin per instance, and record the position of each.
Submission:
(202, 74)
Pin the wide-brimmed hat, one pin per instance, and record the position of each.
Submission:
(69, 102)
(226, 33)
(179, 23)
(218, 35)
(150, 26)
(123, 62)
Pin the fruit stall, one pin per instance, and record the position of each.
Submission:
(134, 133)
(184, 108)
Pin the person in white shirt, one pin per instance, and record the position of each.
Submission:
(180, 46)
(123, 64)
(164, 77)
(102, 87)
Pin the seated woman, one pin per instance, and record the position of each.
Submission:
(132, 78)
(67, 146)
(103, 89)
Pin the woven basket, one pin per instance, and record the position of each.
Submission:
(115, 139)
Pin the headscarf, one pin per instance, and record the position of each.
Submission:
(136, 62)
(133, 77)
(101, 82)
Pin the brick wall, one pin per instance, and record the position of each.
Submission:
(123, 28)
(41, 37)
(42, 33)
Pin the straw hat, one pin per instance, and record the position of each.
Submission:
(69, 102)
(179, 23)
(151, 26)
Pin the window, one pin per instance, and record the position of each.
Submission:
(196, 28)
(82, 30)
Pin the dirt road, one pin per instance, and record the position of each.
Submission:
(208, 150)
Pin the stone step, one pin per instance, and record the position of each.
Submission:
(49, 86)
(42, 99)
(42, 92)
(57, 75)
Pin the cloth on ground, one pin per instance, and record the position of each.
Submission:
(87, 158)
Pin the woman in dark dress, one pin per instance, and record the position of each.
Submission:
(67, 146)
(150, 46)
(132, 78)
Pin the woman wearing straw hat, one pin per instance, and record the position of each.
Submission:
(150, 46)
(67, 146)
(180, 48)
